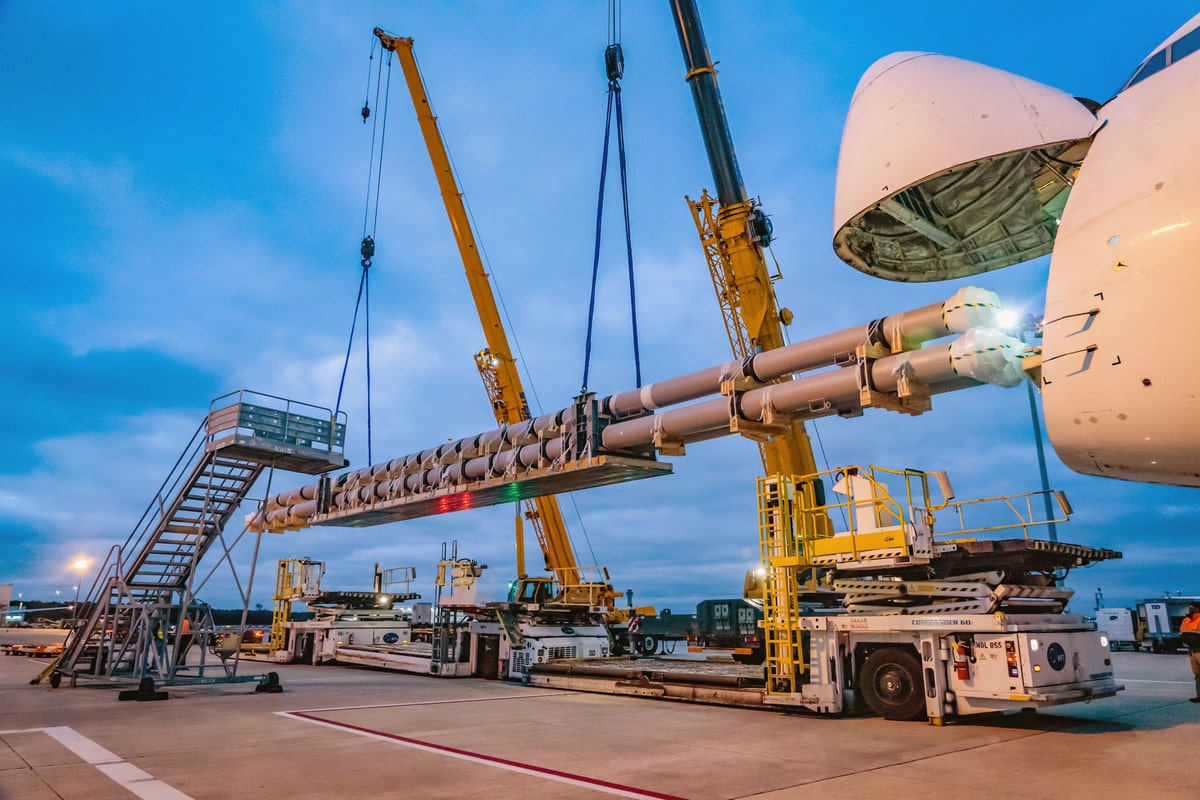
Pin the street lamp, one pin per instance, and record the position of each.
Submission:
(80, 566)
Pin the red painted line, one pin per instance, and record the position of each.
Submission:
(602, 785)
(431, 702)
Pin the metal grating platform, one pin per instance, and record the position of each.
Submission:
(1008, 555)
(602, 470)
(269, 431)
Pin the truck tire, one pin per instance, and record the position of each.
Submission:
(647, 645)
(891, 684)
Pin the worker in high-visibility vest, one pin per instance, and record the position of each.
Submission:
(1189, 631)
(183, 642)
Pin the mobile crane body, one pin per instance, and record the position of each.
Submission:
(953, 656)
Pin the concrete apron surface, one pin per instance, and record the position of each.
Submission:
(360, 733)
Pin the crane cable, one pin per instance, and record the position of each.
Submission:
(367, 246)
(614, 62)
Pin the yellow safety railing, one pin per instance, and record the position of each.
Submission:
(585, 585)
(1017, 510)
(894, 497)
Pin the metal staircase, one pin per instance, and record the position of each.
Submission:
(511, 627)
(141, 612)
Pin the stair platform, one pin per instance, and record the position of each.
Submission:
(265, 429)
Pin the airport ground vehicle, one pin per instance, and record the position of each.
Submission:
(1121, 626)
(1158, 620)
(731, 625)
(916, 667)
(938, 623)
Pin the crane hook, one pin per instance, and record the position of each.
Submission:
(366, 112)
(368, 252)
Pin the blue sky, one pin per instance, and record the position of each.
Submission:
(184, 189)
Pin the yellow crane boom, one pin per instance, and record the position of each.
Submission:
(496, 364)
(733, 235)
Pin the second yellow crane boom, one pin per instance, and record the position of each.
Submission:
(496, 364)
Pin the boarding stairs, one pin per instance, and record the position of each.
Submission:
(138, 604)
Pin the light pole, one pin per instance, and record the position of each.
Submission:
(80, 566)
(1019, 327)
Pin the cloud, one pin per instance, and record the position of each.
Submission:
(67, 393)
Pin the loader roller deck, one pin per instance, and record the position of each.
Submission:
(1008, 556)
(1012, 555)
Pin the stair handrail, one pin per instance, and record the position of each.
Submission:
(157, 509)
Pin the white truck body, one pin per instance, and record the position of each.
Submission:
(319, 640)
(543, 643)
(1117, 625)
(957, 664)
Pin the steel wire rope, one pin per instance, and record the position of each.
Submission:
(522, 362)
(367, 247)
(614, 67)
(614, 62)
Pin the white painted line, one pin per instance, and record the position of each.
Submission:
(134, 779)
(82, 746)
(1168, 683)
(123, 772)
(594, 784)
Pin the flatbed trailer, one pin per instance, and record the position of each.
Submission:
(898, 666)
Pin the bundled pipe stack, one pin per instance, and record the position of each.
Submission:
(884, 363)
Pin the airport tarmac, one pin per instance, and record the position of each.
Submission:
(360, 733)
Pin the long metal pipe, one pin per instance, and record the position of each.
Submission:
(968, 308)
(810, 397)
(980, 355)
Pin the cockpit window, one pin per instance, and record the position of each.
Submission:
(1185, 45)
(1156, 63)
(1182, 47)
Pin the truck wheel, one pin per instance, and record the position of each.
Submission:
(890, 682)
(647, 645)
